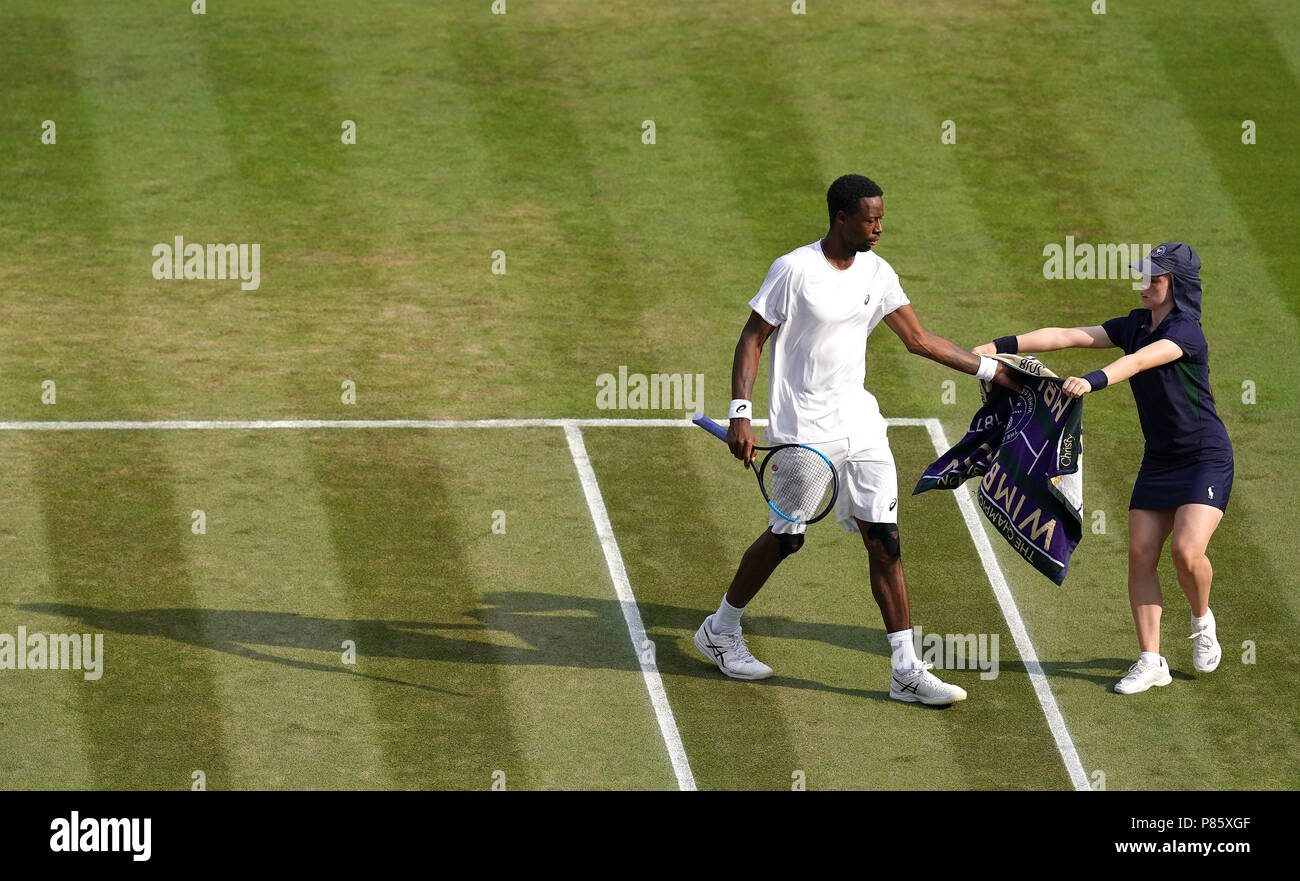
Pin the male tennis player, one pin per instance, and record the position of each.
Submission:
(818, 304)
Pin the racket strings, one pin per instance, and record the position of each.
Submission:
(798, 482)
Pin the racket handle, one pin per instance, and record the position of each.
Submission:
(710, 426)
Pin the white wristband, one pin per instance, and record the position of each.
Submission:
(741, 409)
(988, 367)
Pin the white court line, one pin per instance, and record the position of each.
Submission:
(265, 424)
(631, 613)
(1007, 603)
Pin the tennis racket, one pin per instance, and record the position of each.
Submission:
(797, 481)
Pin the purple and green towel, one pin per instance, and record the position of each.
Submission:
(1026, 447)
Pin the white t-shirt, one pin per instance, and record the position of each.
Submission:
(823, 316)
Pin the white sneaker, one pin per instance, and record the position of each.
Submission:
(1142, 676)
(923, 686)
(729, 652)
(1206, 652)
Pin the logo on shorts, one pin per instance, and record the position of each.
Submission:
(1211, 492)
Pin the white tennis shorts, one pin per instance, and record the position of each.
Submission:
(868, 487)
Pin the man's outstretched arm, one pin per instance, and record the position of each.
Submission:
(919, 341)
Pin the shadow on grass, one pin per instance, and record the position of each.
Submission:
(235, 632)
(1115, 669)
(555, 631)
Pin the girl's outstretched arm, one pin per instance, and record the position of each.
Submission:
(1159, 352)
(1048, 339)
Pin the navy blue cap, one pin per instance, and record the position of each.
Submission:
(1180, 263)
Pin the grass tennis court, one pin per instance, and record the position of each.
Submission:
(482, 650)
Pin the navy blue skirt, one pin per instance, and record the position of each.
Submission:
(1200, 480)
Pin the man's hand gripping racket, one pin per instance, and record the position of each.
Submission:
(798, 482)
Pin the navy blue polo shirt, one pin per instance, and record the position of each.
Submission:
(1174, 402)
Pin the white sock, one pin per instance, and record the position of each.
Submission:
(1150, 659)
(1206, 620)
(726, 620)
(902, 650)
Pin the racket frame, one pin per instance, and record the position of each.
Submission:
(720, 433)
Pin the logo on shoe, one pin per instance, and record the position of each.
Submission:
(906, 686)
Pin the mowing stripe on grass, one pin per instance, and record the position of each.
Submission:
(543, 163)
(111, 518)
(113, 525)
(1007, 603)
(1216, 106)
(267, 572)
(396, 523)
(61, 757)
(631, 613)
